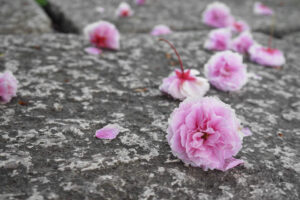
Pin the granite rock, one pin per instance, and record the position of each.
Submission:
(47, 145)
(179, 15)
(22, 17)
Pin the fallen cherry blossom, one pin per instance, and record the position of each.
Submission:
(140, 2)
(93, 50)
(266, 56)
(226, 71)
(103, 34)
(183, 83)
(261, 9)
(217, 15)
(205, 132)
(109, 131)
(124, 10)
(218, 40)
(242, 43)
(8, 87)
(160, 29)
(239, 26)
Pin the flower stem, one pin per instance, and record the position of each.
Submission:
(177, 54)
(271, 32)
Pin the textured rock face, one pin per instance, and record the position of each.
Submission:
(177, 14)
(22, 16)
(47, 144)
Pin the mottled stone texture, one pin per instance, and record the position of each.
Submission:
(47, 144)
(179, 15)
(22, 16)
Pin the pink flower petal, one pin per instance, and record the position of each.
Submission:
(266, 56)
(246, 131)
(8, 87)
(109, 131)
(93, 50)
(140, 2)
(230, 163)
(161, 29)
(261, 9)
(218, 40)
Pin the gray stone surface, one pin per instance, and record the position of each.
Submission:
(47, 144)
(22, 16)
(179, 15)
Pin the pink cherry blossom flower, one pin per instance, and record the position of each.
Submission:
(8, 87)
(93, 50)
(226, 71)
(242, 43)
(205, 132)
(109, 131)
(218, 40)
(140, 2)
(124, 10)
(161, 29)
(103, 34)
(184, 83)
(266, 56)
(239, 26)
(217, 15)
(261, 9)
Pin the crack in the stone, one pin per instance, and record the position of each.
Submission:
(59, 21)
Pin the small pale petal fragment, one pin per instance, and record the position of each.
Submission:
(261, 9)
(109, 131)
(93, 50)
(160, 29)
(8, 87)
(140, 2)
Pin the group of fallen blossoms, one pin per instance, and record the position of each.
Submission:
(203, 131)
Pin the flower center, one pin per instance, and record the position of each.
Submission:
(238, 26)
(125, 13)
(204, 136)
(185, 75)
(269, 50)
(100, 41)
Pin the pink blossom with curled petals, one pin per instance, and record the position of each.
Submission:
(239, 26)
(266, 56)
(140, 2)
(182, 85)
(8, 87)
(226, 71)
(103, 34)
(109, 131)
(205, 132)
(217, 15)
(124, 10)
(161, 29)
(242, 43)
(218, 40)
(93, 50)
(261, 9)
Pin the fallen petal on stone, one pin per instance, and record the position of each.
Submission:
(246, 131)
(109, 131)
(93, 50)
(231, 162)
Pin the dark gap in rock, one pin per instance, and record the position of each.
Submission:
(59, 22)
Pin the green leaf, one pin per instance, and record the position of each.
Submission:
(42, 2)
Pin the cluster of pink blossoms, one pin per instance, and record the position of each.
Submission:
(218, 15)
(8, 87)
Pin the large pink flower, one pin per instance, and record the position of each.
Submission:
(218, 40)
(226, 71)
(103, 34)
(8, 87)
(217, 15)
(204, 132)
(239, 26)
(266, 56)
(242, 43)
(261, 9)
(181, 85)
(160, 29)
(124, 10)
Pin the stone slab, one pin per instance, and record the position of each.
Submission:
(22, 16)
(47, 144)
(179, 15)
